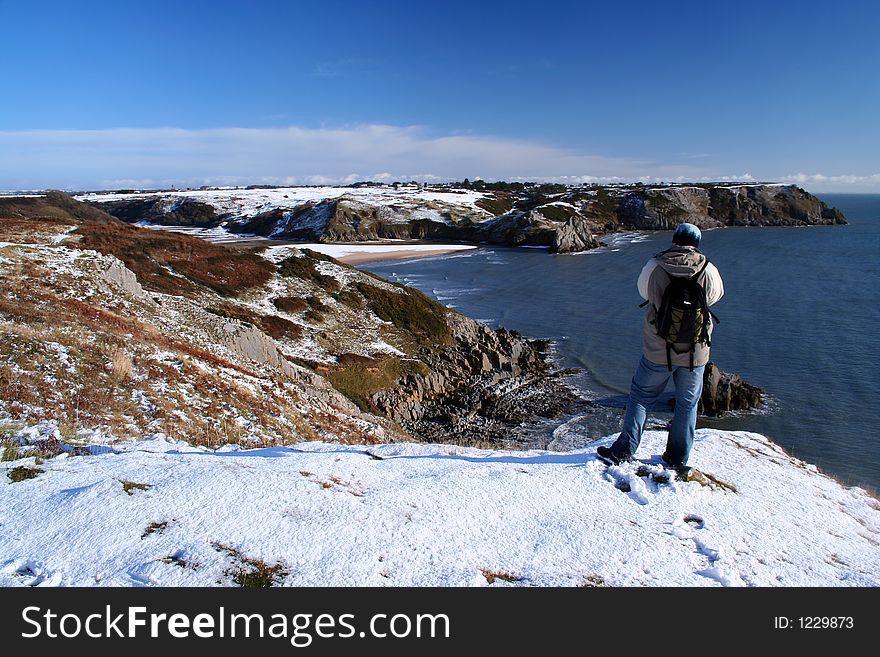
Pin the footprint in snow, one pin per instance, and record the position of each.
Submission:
(626, 481)
(714, 561)
(639, 480)
(31, 573)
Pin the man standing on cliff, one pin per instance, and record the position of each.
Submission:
(662, 359)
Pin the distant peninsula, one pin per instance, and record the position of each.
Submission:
(564, 219)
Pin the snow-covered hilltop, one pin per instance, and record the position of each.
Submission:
(163, 513)
(564, 219)
(251, 202)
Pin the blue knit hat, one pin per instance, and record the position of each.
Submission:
(687, 235)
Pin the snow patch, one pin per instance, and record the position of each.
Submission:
(527, 513)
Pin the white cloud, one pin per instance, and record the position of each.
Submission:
(161, 157)
(822, 179)
(141, 157)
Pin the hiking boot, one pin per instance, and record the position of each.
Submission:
(607, 455)
(682, 471)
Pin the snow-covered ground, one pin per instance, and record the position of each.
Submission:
(248, 202)
(412, 514)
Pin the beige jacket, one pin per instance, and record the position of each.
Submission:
(677, 261)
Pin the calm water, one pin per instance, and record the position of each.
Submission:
(800, 318)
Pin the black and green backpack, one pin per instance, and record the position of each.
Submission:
(684, 316)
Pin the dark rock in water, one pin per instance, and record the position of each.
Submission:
(723, 392)
(573, 236)
(529, 228)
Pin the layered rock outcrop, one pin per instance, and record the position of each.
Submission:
(724, 392)
(477, 387)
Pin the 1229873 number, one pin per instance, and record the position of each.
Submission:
(814, 623)
(825, 622)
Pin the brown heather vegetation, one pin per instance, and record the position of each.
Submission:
(54, 207)
(280, 328)
(74, 352)
(290, 304)
(163, 262)
(111, 353)
(192, 261)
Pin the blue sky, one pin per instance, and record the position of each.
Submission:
(111, 94)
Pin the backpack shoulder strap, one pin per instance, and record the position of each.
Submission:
(700, 271)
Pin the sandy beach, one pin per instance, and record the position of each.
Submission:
(358, 253)
(352, 253)
(375, 256)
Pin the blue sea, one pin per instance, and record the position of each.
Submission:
(800, 318)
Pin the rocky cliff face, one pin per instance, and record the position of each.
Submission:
(573, 236)
(182, 212)
(565, 220)
(477, 388)
(770, 206)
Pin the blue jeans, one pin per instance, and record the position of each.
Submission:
(648, 383)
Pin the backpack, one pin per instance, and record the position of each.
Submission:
(684, 316)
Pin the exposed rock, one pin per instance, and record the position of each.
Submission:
(477, 388)
(164, 212)
(723, 392)
(573, 236)
(114, 272)
(770, 206)
(664, 209)
(518, 229)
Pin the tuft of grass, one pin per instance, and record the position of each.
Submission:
(360, 377)
(228, 311)
(592, 581)
(411, 311)
(303, 267)
(22, 472)
(155, 528)
(492, 575)
(121, 365)
(251, 573)
(49, 448)
(131, 486)
(10, 452)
